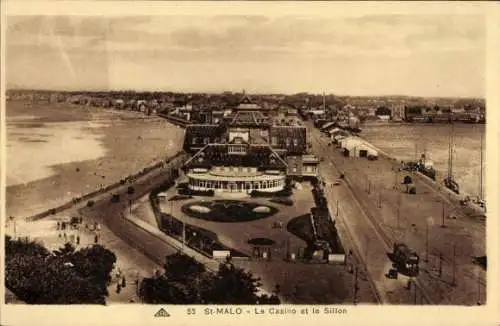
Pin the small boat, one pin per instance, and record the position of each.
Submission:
(449, 181)
(426, 167)
(451, 184)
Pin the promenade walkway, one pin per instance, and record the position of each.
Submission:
(154, 231)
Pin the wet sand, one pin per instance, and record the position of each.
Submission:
(132, 141)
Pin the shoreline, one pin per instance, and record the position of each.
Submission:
(131, 142)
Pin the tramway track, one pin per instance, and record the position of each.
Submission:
(479, 227)
(386, 240)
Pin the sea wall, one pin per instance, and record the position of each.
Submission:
(174, 120)
(89, 196)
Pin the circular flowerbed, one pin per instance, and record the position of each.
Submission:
(228, 211)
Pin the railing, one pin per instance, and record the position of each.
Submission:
(88, 196)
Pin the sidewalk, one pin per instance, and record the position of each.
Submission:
(210, 264)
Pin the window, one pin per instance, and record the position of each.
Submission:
(206, 140)
(274, 141)
(295, 142)
(294, 169)
(194, 140)
(287, 142)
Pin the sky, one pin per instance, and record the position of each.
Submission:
(420, 55)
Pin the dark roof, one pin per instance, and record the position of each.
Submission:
(250, 118)
(200, 132)
(291, 138)
(218, 154)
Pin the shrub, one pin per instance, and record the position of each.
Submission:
(284, 201)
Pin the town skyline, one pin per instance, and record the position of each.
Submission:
(378, 55)
(139, 91)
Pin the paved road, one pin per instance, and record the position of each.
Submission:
(369, 245)
(110, 214)
(377, 191)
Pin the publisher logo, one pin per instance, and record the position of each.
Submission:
(162, 313)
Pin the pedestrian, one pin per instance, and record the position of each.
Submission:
(124, 282)
(86, 226)
(58, 225)
(96, 238)
(65, 236)
(118, 288)
(59, 234)
(77, 239)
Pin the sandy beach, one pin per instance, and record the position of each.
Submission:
(59, 151)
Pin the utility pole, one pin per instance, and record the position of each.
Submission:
(440, 264)
(367, 240)
(427, 243)
(395, 178)
(478, 288)
(453, 282)
(338, 207)
(355, 289)
(183, 235)
(442, 215)
(399, 209)
(414, 292)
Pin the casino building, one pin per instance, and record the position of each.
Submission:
(250, 149)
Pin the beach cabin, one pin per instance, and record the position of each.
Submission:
(338, 140)
(162, 196)
(337, 131)
(327, 126)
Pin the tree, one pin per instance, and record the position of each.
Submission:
(180, 268)
(96, 262)
(186, 281)
(383, 110)
(67, 250)
(65, 276)
(233, 285)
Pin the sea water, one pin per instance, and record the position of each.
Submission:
(408, 141)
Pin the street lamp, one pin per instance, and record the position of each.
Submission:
(442, 215)
(399, 210)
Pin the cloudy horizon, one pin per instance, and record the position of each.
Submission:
(416, 55)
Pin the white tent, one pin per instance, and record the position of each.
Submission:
(327, 125)
(338, 132)
(358, 147)
(334, 130)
